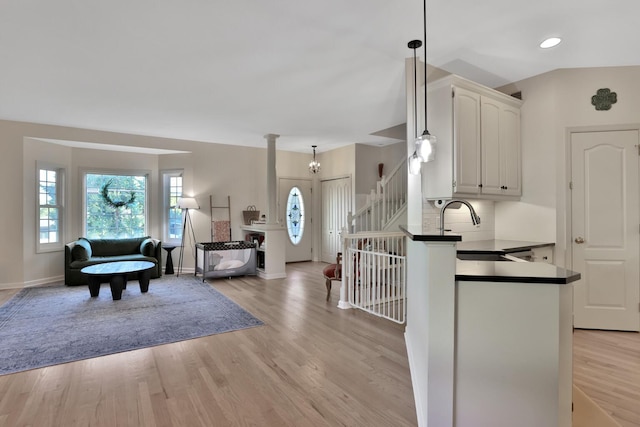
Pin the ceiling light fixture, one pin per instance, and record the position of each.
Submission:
(314, 167)
(426, 143)
(550, 42)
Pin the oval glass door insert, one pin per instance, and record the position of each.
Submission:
(295, 215)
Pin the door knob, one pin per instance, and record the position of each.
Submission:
(579, 240)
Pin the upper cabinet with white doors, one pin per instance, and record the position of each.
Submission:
(478, 150)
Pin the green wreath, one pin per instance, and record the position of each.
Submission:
(104, 193)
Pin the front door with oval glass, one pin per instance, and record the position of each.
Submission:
(295, 214)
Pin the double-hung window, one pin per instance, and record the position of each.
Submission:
(172, 215)
(50, 182)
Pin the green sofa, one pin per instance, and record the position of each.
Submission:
(83, 252)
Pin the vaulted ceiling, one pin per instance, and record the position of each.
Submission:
(327, 72)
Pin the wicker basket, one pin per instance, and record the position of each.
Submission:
(251, 214)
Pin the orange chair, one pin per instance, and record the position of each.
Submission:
(333, 272)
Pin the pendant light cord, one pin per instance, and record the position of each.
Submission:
(425, 66)
(415, 95)
(415, 44)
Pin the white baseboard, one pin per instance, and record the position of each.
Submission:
(420, 411)
(344, 305)
(31, 283)
(269, 276)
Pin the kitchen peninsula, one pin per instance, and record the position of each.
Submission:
(489, 342)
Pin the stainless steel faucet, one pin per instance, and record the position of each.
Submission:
(475, 219)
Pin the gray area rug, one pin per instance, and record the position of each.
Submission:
(48, 325)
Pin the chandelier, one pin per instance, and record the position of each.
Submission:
(314, 166)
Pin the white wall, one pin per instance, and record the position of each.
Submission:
(554, 103)
(368, 157)
(43, 265)
(209, 169)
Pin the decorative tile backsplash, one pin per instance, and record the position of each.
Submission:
(459, 220)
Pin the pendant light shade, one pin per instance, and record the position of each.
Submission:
(425, 144)
(314, 166)
(415, 163)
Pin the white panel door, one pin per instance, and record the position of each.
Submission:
(336, 205)
(605, 229)
(303, 249)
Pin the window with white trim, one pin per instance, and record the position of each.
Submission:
(172, 215)
(115, 205)
(50, 208)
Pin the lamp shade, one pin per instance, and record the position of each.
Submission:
(188, 203)
(426, 146)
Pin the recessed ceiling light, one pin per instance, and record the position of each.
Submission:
(550, 42)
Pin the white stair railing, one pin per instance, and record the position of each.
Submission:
(386, 201)
(375, 274)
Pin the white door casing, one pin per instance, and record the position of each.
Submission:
(336, 205)
(303, 250)
(605, 229)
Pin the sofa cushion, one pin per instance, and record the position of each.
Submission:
(113, 247)
(147, 247)
(81, 250)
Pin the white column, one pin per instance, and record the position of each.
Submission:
(272, 214)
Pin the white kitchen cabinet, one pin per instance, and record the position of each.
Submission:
(466, 124)
(500, 148)
(478, 131)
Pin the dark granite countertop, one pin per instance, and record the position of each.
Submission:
(508, 271)
(499, 246)
(417, 235)
(498, 271)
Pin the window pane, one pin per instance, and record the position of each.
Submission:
(174, 216)
(115, 206)
(49, 206)
(295, 215)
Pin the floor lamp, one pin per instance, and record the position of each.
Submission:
(186, 203)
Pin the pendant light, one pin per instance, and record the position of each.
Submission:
(314, 167)
(425, 143)
(415, 160)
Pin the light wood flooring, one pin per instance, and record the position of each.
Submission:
(606, 367)
(312, 364)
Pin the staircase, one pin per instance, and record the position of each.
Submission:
(385, 205)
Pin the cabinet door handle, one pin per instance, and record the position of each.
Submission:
(579, 240)
(479, 185)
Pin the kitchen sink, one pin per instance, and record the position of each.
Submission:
(482, 257)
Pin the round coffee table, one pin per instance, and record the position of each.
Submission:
(116, 274)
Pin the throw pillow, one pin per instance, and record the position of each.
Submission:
(147, 247)
(81, 250)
